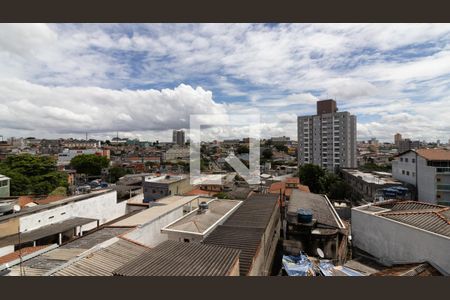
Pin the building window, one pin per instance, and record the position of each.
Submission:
(406, 159)
(403, 172)
(438, 179)
(413, 160)
(407, 173)
(401, 158)
(438, 196)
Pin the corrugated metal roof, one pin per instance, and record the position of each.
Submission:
(255, 212)
(99, 236)
(52, 229)
(245, 239)
(243, 230)
(104, 261)
(172, 258)
(53, 259)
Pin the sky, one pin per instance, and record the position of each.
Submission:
(144, 80)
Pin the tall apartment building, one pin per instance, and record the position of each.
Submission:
(407, 144)
(327, 139)
(428, 170)
(178, 137)
(397, 139)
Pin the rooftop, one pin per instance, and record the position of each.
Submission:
(323, 211)
(31, 210)
(380, 178)
(202, 223)
(166, 179)
(244, 229)
(44, 231)
(434, 154)
(104, 261)
(158, 209)
(45, 263)
(172, 258)
(425, 216)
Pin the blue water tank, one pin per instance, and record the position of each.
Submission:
(304, 215)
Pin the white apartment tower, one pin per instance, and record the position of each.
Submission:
(327, 139)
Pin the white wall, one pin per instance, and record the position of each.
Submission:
(398, 166)
(150, 234)
(396, 243)
(103, 207)
(426, 182)
(6, 250)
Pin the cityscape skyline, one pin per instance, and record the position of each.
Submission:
(144, 80)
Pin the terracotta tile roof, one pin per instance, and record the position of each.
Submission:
(16, 254)
(292, 180)
(434, 154)
(430, 217)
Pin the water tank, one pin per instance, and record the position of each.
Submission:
(304, 216)
(202, 207)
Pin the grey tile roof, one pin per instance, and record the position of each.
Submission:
(173, 258)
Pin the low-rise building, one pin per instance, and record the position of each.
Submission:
(145, 226)
(254, 228)
(312, 223)
(376, 186)
(58, 221)
(166, 185)
(428, 170)
(403, 232)
(196, 225)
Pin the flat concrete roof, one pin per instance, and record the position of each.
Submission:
(377, 178)
(200, 223)
(158, 209)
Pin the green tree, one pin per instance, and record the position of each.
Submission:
(281, 148)
(59, 191)
(242, 149)
(311, 175)
(267, 153)
(222, 195)
(116, 172)
(32, 174)
(89, 164)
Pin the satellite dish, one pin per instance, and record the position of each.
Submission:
(320, 253)
(16, 208)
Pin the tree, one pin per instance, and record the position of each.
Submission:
(89, 164)
(59, 191)
(310, 175)
(281, 148)
(222, 195)
(32, 174)
(242, 149)
(116, 172)
(267, 153)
